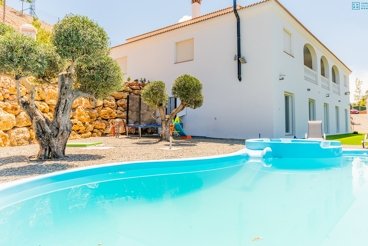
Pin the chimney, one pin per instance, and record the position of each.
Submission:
(196, 8)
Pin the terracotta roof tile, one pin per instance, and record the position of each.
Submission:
(188, 22)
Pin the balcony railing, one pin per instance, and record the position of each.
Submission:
(335, 88)
(325, 83)
(310, 75)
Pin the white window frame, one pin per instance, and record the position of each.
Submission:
(326, 118)
(287, 42)
(184, 51)
(337, 114)
(289, 113)
(312, 109)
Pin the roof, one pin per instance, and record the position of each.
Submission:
(189, 22)
(214, 15)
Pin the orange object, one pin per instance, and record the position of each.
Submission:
(172, 128)
(186, 137)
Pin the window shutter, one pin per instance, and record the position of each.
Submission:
(287, 42)
(185, 51)
(123, 64)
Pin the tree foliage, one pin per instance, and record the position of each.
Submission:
(76, 36)
(98, 76)
(43, 35)
(189, 90)
(4, 28)
(21, 55)
(154, 94)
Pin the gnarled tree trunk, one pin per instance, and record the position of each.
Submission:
(52, 136)
(166, 120)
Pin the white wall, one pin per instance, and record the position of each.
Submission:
(294, 82)
(234, 109)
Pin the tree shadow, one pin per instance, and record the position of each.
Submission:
(33, 169)
(69, 158)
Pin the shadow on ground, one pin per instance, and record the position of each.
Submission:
(33, 169)
(70, 158)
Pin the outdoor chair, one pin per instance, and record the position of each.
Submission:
(315, 130)
(365, 140)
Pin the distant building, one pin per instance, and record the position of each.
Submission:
(287, 75)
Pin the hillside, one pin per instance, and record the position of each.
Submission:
(15, 18)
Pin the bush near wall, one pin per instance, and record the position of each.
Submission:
(88, 120)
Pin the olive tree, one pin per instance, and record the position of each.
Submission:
(90, 72)
(187, 88)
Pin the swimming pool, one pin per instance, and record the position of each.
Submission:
(225, 200)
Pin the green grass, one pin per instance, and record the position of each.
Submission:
(82, 144)
(348, 139)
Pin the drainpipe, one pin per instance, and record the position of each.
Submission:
(238, 40)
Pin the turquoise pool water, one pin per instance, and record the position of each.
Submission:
(229, 200)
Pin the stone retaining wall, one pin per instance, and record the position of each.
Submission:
(88, 120)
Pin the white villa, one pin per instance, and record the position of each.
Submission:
(281, 76)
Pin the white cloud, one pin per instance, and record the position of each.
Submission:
(185, 18)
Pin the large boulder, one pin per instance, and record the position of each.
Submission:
(22, 120)
(42, 106)
(7, 121)
(74, 135)
(1, 96)
(109, 103)
(40, 94)
(81, 114)
(119, 95)
(93, 114)
(107, 113)
(19, 136)
(12, 108)
(122, 103)
(4, 139)
(78, 126)
(51, 96)
(100, 124)
(82, 102)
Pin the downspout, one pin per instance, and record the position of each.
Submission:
(238, 40)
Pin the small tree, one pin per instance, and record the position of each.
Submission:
(91, 73)
(187, 88)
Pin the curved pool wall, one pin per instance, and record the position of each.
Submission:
(18, 191)
(293, 148)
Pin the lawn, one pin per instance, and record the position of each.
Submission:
(348, 139)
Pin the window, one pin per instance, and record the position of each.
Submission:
(312, 109)
(289, 114)
(323, 68)
(333, 76)
(185, 51)
(123, 64)
(287, 42)
(346, 121)
(337, 119)
(307, 57)
(326, 118)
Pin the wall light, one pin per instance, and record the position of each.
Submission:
(242, 60)
(339, 100)
(308, 89)
(282, 76)
(327, 95)
(347, 93)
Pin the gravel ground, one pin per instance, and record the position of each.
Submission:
(14, 163)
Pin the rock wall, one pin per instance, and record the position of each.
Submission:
(89, 119)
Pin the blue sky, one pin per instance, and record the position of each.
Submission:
(343, 30)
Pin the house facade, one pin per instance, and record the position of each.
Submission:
(287, 75)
